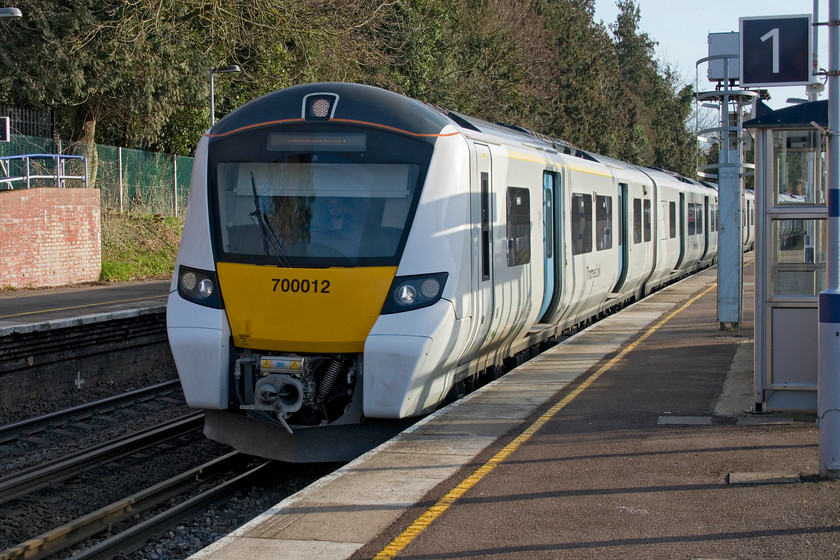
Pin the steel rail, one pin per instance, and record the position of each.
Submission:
(38, 424)
(133, 539)
(41, 476)
(103, 519)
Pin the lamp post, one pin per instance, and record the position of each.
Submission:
(10, 12)
(221, 70)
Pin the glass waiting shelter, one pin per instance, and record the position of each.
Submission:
(790, 176)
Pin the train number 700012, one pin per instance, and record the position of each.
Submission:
(296, 286)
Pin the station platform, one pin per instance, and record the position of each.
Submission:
(631, 439)
(54, 342)
(22, 310)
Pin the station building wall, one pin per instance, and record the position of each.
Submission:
(50, 237)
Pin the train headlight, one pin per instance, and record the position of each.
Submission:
(406, 295)
(199, 286)
(430, 288)
(414, 292)
(319, 106)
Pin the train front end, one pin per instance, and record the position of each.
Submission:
(301, 205)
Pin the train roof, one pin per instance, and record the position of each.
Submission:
(518, 133)
(348, 101)
(391, 110)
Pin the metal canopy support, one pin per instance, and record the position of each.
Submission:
(730, 237)
(730, 190)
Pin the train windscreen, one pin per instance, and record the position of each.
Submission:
(316, 199)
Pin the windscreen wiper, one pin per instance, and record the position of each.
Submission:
(271, 243)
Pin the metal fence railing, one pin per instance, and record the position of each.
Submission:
(128, 180)
(35, 170)
(30, 121)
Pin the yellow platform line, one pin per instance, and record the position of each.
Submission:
(429, 516)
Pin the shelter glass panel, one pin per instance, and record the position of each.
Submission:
(798, 267)
(799, 167)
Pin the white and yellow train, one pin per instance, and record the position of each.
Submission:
(352, 257)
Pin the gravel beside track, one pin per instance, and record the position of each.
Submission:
(280, 481)
(87, 393)
(37, 449)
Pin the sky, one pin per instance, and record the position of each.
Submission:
(682, 28)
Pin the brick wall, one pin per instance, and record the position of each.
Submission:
(50, 237)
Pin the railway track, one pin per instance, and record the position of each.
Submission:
(109, 439)
(215, 481)
(41, 476)
(164, 485)
(89, 412)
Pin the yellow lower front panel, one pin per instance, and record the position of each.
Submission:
(303, 309)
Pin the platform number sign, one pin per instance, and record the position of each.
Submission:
(775, 51)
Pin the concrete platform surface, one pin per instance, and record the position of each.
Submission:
(632, 439)
(21, 310)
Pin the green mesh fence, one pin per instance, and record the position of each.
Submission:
(128, 180)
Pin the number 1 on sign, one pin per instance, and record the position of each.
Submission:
(773, 34)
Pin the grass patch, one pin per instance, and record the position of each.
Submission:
(136, 247)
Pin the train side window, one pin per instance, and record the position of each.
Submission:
(672, 219)
(518, 226)
(485, 226)
(692, 227)
(647, 221)
(548, 213)
(637, 220)
(603, 222)
(581, 222)
(621, 215)
(663, 219)
(699, 220)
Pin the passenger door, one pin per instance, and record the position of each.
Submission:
(623, 237)
(481, 219)
(548, 241)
